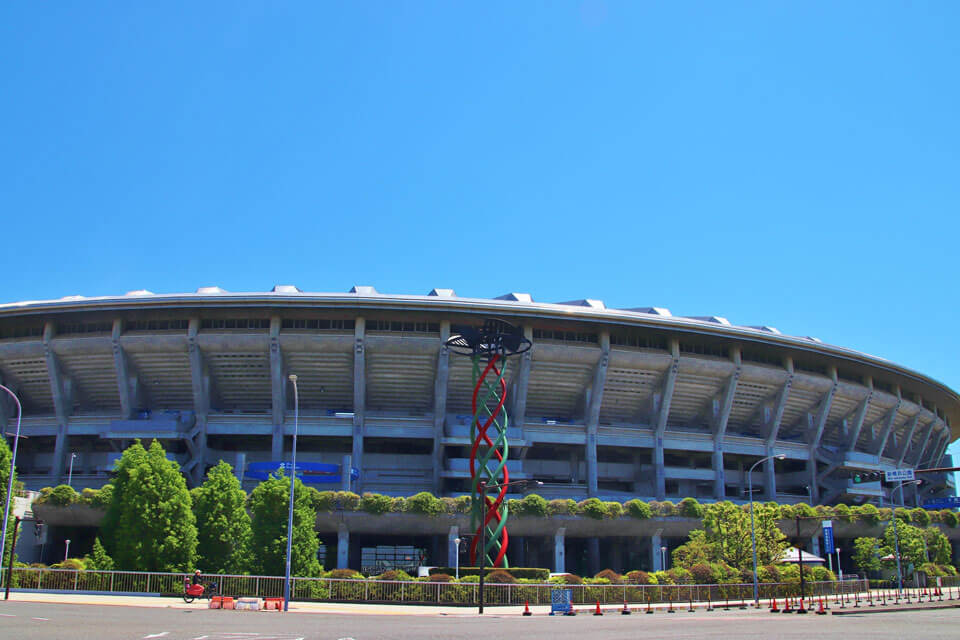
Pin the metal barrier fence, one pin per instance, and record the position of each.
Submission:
(339, 590)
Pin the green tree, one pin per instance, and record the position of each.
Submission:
(866, 554)
(98, 560)
(938, 545)
(223, 525)
(911, 543)
(5, 457)
(149, 525)
(269, 503)
(726, 537)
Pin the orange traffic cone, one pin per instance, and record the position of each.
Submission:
(820, 610)
(598, 612)
(526, 609)
(626, 610)
(773, 607)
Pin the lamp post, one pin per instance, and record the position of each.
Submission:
(839, 568)
(663, 558)
(70, 473)
(66, 550)
(457, 542)
(482, 487)
(13, 462)
(293, 477)
(753, 534)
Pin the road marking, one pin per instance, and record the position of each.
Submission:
(7, 615)
(39, 618)
(156, 635)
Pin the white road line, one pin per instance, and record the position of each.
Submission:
(7, 615)
(201, 638)
(39, 618)
(156, 635)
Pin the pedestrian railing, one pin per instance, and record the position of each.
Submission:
(414, 592)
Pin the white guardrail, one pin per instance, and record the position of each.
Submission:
(339, 590)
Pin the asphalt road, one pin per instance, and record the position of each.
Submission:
(36, 621)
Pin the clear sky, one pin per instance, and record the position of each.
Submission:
(785, 163)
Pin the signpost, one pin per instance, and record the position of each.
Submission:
(899, 475)
(952, 502)
(827, 526)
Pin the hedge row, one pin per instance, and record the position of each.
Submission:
(427, 504)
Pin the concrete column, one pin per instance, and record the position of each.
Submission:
(559, 551)
(815, 545)
(61, 388)
(345, 479)
(769, 477)
(660, 470)
(574, 467)
(720, 426)
(518, 402)
(125, 383)
(359, 395)
(452, 535)
(440, 406)
(201, 386)
(278, 388)
(343, 547)
(593, 555)
(518, 549)
(240, 465)
(593, 412)
(655, 543)
(669, 382)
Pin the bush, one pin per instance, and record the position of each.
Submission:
(769, 573)
(614, 509)
(343, 574)
(561, 507)
(819, 574)
(425, 504)
(460, 504)
(499, 576)
(638, 509)
(526, 573)
(396, 575)
(441, 577)
(843, 512)
(690, 508)
(663, 509)
(703, 574)
(612, 576)
(920, 516)
(948, 517)
(375, 503)
(60, 496)
(679, 575)
(662, 577)
(866, 513)
(566, 578)
(804, 510)
(904, 515)
(639, 577)
(324, 501)
(592, 508)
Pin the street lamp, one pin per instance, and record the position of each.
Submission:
(13, 462)
(293, 477)
(457, 542)
(839, 568)
(66, 550)
(663, 558)
(70, 473)
(753, 534)
(482, 486)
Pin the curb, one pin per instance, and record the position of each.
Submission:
(896, 610)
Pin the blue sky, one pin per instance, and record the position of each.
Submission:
(782, 163)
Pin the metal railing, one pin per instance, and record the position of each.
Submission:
(413, 592)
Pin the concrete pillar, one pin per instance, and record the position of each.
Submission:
(592, 417)
(812, 478)
(278, 387)
(440, 406)
(343, 547)
(660, 470)
(593, 555)
(655, 543)
(559, 551)
(452, 550)
(518, 401)
(574, 467)
(518, 549)
(719, 477)
(240, 465)
(815, 545)
(61, 388)
(770, 477)
(359, 395)
(345, 479)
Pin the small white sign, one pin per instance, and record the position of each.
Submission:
(898, 474)
(827, 524)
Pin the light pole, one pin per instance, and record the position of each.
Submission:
(839, 568)
(66, 550)
(457, 542)
(663, 558)
(293, 477)
(753, 533)
(70, 473)
(482, 486)
(13, 462)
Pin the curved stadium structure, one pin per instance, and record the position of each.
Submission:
(612, 403)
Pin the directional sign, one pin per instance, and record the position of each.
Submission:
(898, 474)
(828, 536)
(952, 502)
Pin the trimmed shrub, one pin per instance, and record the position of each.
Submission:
(399, 505)
(920, 516)
(703, 574)
(375, 503)
(343, 574)
(324, 501)
(679, 575)
(395, 574)
(948, 517)
(663, 509)
(567, 578)
(460, 504)
(769, 573)
(866, 513)
(424, 503)
(60, 496)
(819, 574)
(526, 573)
(592, 508)
(534, 505)
(499, 576)
(639, 577)
(441, 577)
(638, 509)
(561, 507)
(690, 508)
(904, 515)
(610, 575)
(614, 509)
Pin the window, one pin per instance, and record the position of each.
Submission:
(32, 331)
(235, 323)
(84, 327)
(318, 324)
(157, 325)
(719, 351)
(638, 342)
(810, 367)
(750, 355)
(405, 326)
(564, 336)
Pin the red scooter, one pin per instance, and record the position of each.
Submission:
(193, 591)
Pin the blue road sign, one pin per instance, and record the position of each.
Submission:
(828, 536)
(308, 472)
(952, 502)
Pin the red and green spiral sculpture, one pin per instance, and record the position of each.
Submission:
(488, 347)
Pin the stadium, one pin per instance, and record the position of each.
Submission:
(609, 403)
